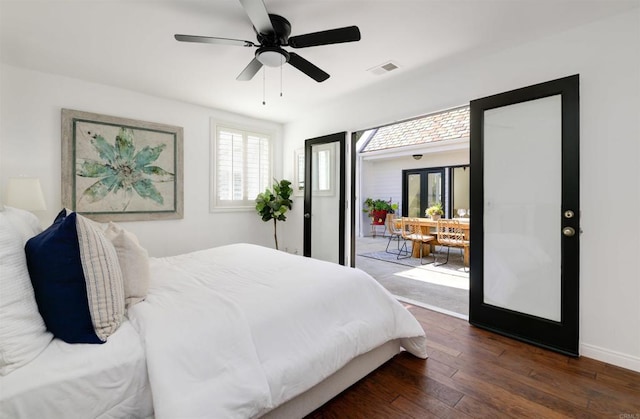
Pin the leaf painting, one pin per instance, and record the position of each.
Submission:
(120, 168)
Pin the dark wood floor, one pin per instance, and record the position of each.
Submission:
(474, 373)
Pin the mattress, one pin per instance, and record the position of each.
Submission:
(81, 381)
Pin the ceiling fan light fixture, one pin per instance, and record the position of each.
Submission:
(272, 33)
(272, 56)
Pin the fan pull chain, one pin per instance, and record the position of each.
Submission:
(281, 65)
(264, 88)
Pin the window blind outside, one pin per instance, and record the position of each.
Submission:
(243, 167)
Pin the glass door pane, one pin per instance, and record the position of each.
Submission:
(325, 202)
(460, 192)
(413, 195)
(434, 189)
(522, 203)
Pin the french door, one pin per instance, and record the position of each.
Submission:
(324, 198)
(421, 188)
(526, 209)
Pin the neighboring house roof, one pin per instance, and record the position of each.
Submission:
(442, 126)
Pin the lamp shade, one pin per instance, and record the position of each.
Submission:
(25, 193)
(272, 56)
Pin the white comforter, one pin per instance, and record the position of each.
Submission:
(237, 330)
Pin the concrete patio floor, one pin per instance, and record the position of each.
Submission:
(426, 286)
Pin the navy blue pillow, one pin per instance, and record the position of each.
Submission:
(53, 259)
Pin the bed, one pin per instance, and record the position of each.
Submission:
(234, 331)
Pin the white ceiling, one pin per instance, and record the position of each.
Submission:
(130, 44)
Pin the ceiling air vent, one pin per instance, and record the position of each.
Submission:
(383, 68)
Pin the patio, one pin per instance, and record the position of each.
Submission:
(443, 288)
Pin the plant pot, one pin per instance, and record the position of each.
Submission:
(378, 217)
(435, 217)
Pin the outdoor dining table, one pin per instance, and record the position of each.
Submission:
(429, 226)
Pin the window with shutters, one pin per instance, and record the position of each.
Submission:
(241, 167)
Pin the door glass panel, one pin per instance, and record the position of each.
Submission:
(522, 207)
(434, 189)
(326, 202)
(460, 192)
(414, 195)
(324, 170)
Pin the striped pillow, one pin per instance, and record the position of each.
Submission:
(77, 280)
(103, 278)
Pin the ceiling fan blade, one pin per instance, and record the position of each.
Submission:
(214, 40)
(307, 68)
(250, 70)
(258, 15)
(331, 36)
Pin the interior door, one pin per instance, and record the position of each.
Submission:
(324, 198)
(526, 208)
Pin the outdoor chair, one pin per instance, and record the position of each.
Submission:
(412, 231)
(395, 233)
(450, 234)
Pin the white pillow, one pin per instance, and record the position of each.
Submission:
(24, 222)
(23, 334)
(134, 263)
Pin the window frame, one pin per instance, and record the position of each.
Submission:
(247, 203)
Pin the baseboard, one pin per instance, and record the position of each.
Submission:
(610, 357)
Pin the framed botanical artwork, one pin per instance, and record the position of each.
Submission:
(117, 169)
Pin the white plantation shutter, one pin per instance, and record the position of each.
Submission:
(258, 156)
(242, 167)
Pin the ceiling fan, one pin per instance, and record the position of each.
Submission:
(273, 33)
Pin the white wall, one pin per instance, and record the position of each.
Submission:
(30, 140)
(606, 54)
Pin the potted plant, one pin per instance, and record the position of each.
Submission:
(273, 205)
(435, 211)
(378, 209)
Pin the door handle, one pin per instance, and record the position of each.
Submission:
(568, 231)
(307, 215)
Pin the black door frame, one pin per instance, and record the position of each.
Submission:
(352, 197)
(424, 175)
(559, 336)
(340, 138)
